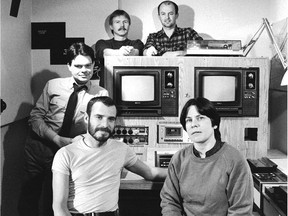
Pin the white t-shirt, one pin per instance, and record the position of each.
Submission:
(94, 173)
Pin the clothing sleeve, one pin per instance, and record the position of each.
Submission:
(99, 48)
(61, 162)
(130, 158)
(193, 35)
(171, 201)
(37, 116)
(150, 41)
(103, 92)
(240, 189)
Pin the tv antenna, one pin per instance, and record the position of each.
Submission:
(249, 46)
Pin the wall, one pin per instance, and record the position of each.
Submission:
(1, 162)
(15, 91)
(12, 139)
(16, 62)
(278, 94)
(278, 120)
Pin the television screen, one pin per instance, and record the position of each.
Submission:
(233, 90)
(138, 88)
(220, 88)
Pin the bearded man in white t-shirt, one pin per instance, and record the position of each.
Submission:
(86, 174)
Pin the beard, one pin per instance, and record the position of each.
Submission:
(100, 134)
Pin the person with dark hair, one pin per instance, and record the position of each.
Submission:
(170, 40)
(56, 119)
(119, 45)
(209, 177)
(86, 174)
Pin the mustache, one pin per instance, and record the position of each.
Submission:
(122, 28)
(104, 129)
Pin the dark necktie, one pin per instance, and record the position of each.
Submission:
(69, 113)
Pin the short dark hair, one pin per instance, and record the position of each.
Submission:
(119, 13)
(204, 107)
(103, 99)
(168, 3)
(79, 48)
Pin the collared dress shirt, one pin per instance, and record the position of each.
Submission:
(177, 41)
(47, 116)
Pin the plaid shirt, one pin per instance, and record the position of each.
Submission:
(177, 42)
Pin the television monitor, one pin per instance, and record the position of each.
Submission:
(146, 91)
(234, 91)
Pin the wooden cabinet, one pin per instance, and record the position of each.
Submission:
(274, 204)
(232, 128)
(139, 202)
(140, 197)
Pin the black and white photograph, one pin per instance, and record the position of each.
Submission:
(143, 108)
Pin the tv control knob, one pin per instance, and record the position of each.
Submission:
(250, 76)
(118, 131)
(169, 75)
(130, 140)
(124, 131)
(170, 85)
(250, 85)
(125, 140)
(130, 131)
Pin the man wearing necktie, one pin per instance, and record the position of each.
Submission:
(55, 121)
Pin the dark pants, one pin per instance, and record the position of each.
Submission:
(39, 156)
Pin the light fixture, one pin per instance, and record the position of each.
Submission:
(248, 47)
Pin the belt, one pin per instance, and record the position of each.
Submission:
(114, 213)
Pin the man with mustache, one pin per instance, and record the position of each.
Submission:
(171, 40)
(119, 45)
(86, 174)
(48, 132)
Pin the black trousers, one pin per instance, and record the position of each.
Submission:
(115, 213)
(39, 154)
